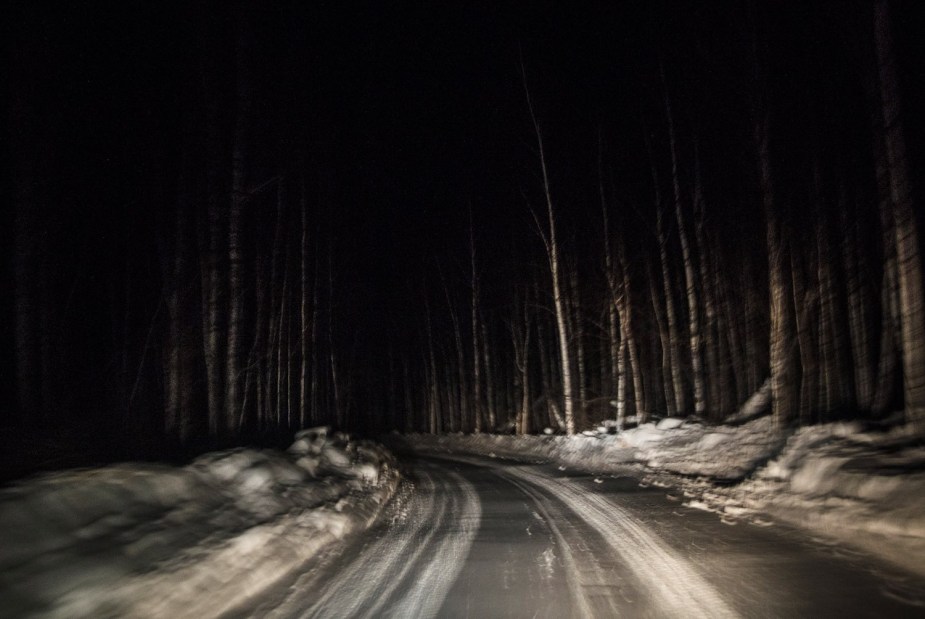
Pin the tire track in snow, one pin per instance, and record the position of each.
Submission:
(572, 570)
(434, 579)
(673, 586)
(408, 555)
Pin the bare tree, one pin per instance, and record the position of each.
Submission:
(551, 242)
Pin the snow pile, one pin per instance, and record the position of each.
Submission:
(723, 453)
(866, 488)
(842, 481)
(149, 540)
(603, 452)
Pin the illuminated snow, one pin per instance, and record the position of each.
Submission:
(148, 540)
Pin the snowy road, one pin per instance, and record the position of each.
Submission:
(476, 537)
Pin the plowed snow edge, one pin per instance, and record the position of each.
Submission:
(235, 571)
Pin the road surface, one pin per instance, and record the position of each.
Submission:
(475, 537)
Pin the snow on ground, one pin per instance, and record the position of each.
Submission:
(141, 540)
(841, 481)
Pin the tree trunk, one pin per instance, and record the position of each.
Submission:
(676, 400)
(714, 394)
(693, 308)
(552, 253)
(806, 303)
(577, 331)
(617, 343)
(520, 334)
(431, 359)
(859, 297)
(783, 364)
(664, 342)
(315, 369)
(303, 311)
(489, 383)
(243, 54)
(625, 310)
(909, 264)
(212, 303)
(476, 354)
(462, 384)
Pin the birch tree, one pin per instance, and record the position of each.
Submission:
(551, 242)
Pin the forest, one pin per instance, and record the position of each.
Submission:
(231, 221)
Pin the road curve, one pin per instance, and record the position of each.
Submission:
(473, 537)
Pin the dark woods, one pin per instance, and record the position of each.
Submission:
(232, 223)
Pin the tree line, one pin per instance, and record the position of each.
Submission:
(674, 278)
(821, 302)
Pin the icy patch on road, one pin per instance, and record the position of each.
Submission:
(149, 540)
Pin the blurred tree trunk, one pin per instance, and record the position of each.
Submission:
(431, 369)
(859, 298)
(282, 337)
(715, 391)
(333, 356)
(260, 343)
(273, 312)
(462, 385)
(476, 348)
(315, 365)
(520, 339)
(675, 399)
(489, 382)
(27, 254)
(177, 278)
(839, 387)
(693, 307)
(578, 335)
(545, 370)
(888, 358)
(806, 302)
(616, 341)
(625, 309)
(243, 53)
(783, 364)
(909, 264)
(304, 317)
(664, 341)
(212, 264)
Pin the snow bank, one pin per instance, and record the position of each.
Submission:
(860, 487)
(148, 540)
(854, 486)
(723, 453)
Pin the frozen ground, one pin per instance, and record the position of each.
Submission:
(139, 540)
(845, 483)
